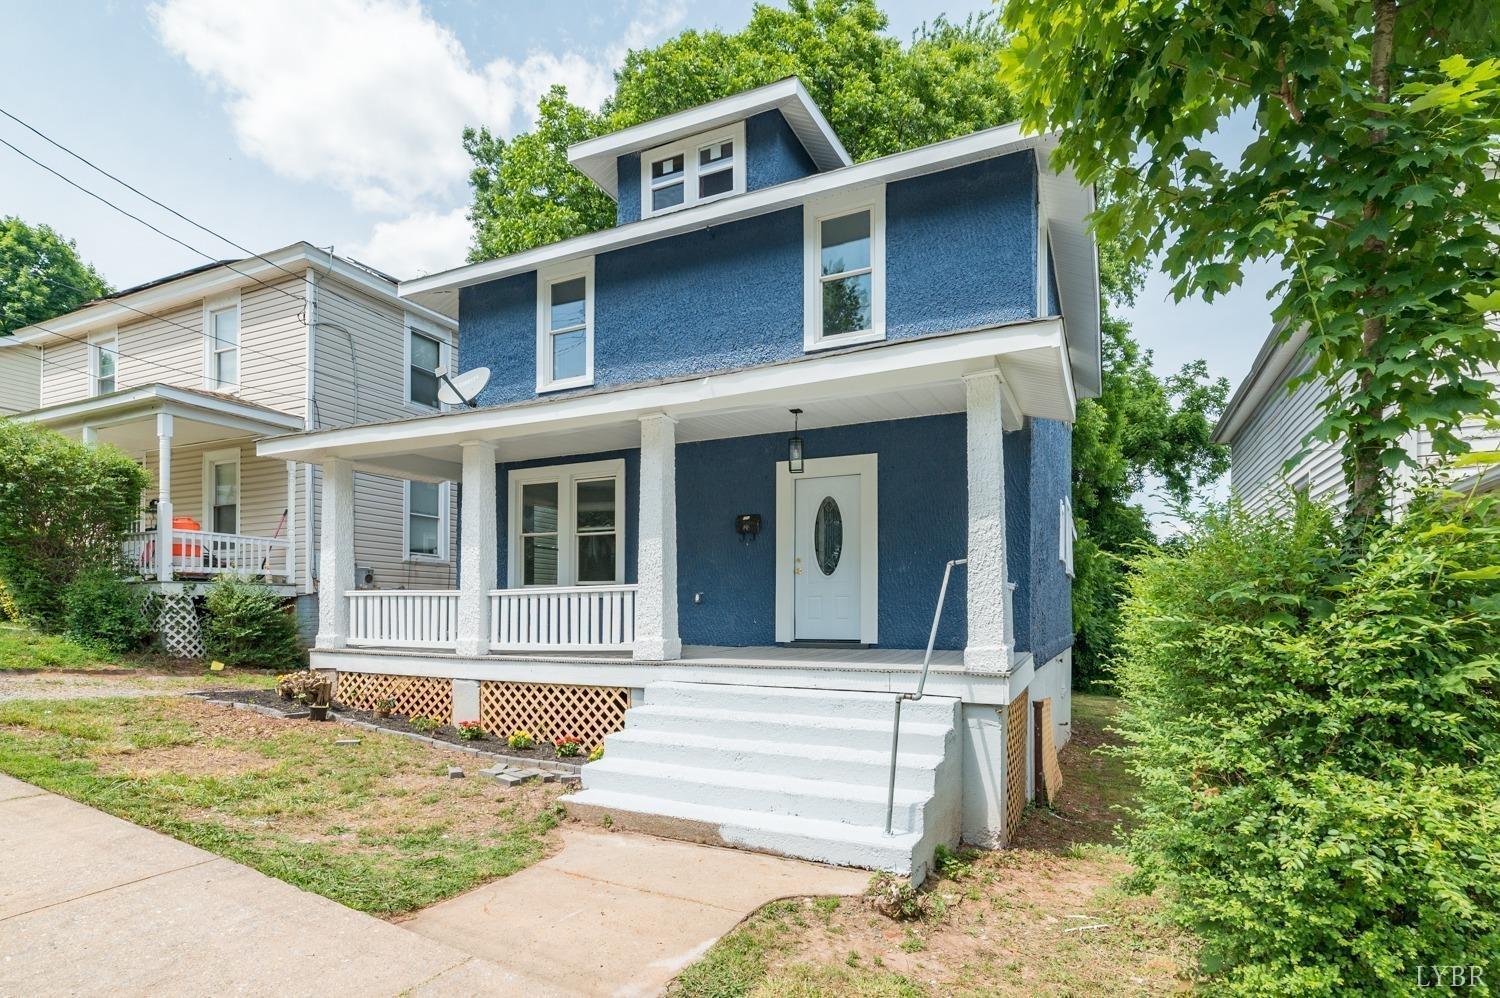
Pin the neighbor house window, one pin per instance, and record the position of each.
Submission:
(223, 335)
(845, 270)
(567, 525)
(426, 509)
(693, 171)
(1067, 533)
(565, 326)
(426, 356)
(104, 355)
(221, 490)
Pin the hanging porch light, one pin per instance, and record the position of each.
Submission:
(794, 445)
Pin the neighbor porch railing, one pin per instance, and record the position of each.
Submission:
(205, 553)
(563, 618)
(403, 618)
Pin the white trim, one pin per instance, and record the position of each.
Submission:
(546, 277)
(567, 477)
(904, 362)
(211, 306)
(414, 325)
(596, 157)
(689, 148)
(871, 199)
(186, 402)
(867, 467)
(225, 456)
(407, 554)
(97, 348)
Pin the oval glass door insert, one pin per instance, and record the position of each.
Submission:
(828, 535)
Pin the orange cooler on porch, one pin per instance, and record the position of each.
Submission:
(181, 549)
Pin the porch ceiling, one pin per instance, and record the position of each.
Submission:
(892, 380)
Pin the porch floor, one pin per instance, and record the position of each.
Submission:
(775, 655)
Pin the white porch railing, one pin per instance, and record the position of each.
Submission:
(564, 618)
(403, 618)
(202, 552)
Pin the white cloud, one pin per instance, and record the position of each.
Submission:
(371, 96)
(423, 242)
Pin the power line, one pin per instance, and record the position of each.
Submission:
(99, 169)
(110, 204)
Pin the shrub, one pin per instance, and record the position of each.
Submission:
(1318, 742)
(64, 508)
(247, 624)
(470, 731)
(597, 753)
(521, 740)
(423, 723)
(102, 609)
(568, 746)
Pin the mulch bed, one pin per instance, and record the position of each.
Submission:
(542, 751)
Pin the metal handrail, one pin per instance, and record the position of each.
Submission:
(937, 616)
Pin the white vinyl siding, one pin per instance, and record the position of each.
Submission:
(20, 379)
(1274, 434)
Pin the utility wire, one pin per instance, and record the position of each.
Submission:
(136, 190)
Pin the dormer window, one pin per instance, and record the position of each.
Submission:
(693, 171)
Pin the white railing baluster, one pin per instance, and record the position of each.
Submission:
(575, 618)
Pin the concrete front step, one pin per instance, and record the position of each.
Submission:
(804, 838)
(771, 794)
(852, 733)
(747, 755)
(789, 702)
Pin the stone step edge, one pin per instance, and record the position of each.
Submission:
(687, 740)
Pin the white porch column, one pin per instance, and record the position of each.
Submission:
(164, 497)
(336, 556)
(291, 523)
(90, 435)
(988, 648)
(478, 545)
(656, 599)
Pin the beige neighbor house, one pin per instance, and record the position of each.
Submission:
(187, 373)
(1266, 421)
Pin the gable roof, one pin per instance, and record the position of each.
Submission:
(1266, 371)
(596, 158)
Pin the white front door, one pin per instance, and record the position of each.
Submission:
(826, 559)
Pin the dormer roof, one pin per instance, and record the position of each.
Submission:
(597, 158)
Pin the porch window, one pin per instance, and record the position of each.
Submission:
(567, 525)
(845, 265)
(693, 171)
(565, 326)
(224, 347)
(425, 357)
(104, 354)
(425, 535)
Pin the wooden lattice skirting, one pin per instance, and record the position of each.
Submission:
(413, 694)
(551, 711)
(1016, 728)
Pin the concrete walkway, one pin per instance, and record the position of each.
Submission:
(619, 913)
(94, 905)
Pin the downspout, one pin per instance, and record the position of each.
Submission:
(310, 422)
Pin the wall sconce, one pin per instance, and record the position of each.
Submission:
(794, 445)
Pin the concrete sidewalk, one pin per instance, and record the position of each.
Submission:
(91, 904)
(620, 913)
(94, 905)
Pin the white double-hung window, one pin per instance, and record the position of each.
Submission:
(426, 521)
(426, 352)
(104, 357)
(844, 268)
(221, 334)
(567, 525)
(565, 325)
(693, 171)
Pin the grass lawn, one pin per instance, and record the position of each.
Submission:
(376, 826)
(1041, 918)
(22, 648)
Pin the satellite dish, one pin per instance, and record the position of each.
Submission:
(463, 389)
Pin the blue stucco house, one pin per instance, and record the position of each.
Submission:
(726, 452)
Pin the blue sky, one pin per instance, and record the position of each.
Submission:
(338, 122)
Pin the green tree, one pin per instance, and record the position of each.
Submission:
(1141, 425)
(39, 272)
(880, 97)
(1370, 179)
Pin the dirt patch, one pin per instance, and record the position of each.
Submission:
(187, 760)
